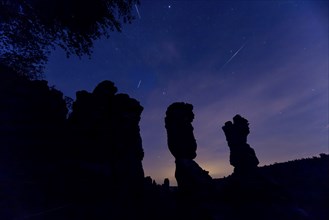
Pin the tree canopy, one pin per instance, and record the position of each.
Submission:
(30, 29)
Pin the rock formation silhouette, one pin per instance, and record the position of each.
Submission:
(248, 187)
(166, 184)
(191, 178)
(127, 143)
(90, 159)
(107, 137)
(242, 157)
(90, 165)
(245, 180)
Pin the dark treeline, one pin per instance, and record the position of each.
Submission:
(307, 180)
(87, 164)
(302, 182)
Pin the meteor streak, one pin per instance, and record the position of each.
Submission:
(236, 53)
(139, 15)
(139, 83)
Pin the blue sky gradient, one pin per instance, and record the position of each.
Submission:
(265, 60)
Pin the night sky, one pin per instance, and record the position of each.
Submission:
(265, 60)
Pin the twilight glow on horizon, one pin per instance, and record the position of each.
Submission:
(264, 60)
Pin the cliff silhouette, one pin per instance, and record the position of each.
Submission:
(87, 164)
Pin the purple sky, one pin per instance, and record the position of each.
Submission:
(265, 60)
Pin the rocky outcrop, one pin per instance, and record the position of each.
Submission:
(107, 137)
(178, 122)
(191, 178)
(242, 157)
(46, 159)
(248, 187)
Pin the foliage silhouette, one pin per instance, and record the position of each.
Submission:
(30, 29)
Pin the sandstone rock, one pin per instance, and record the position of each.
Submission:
(242, 156)
(191, 178)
